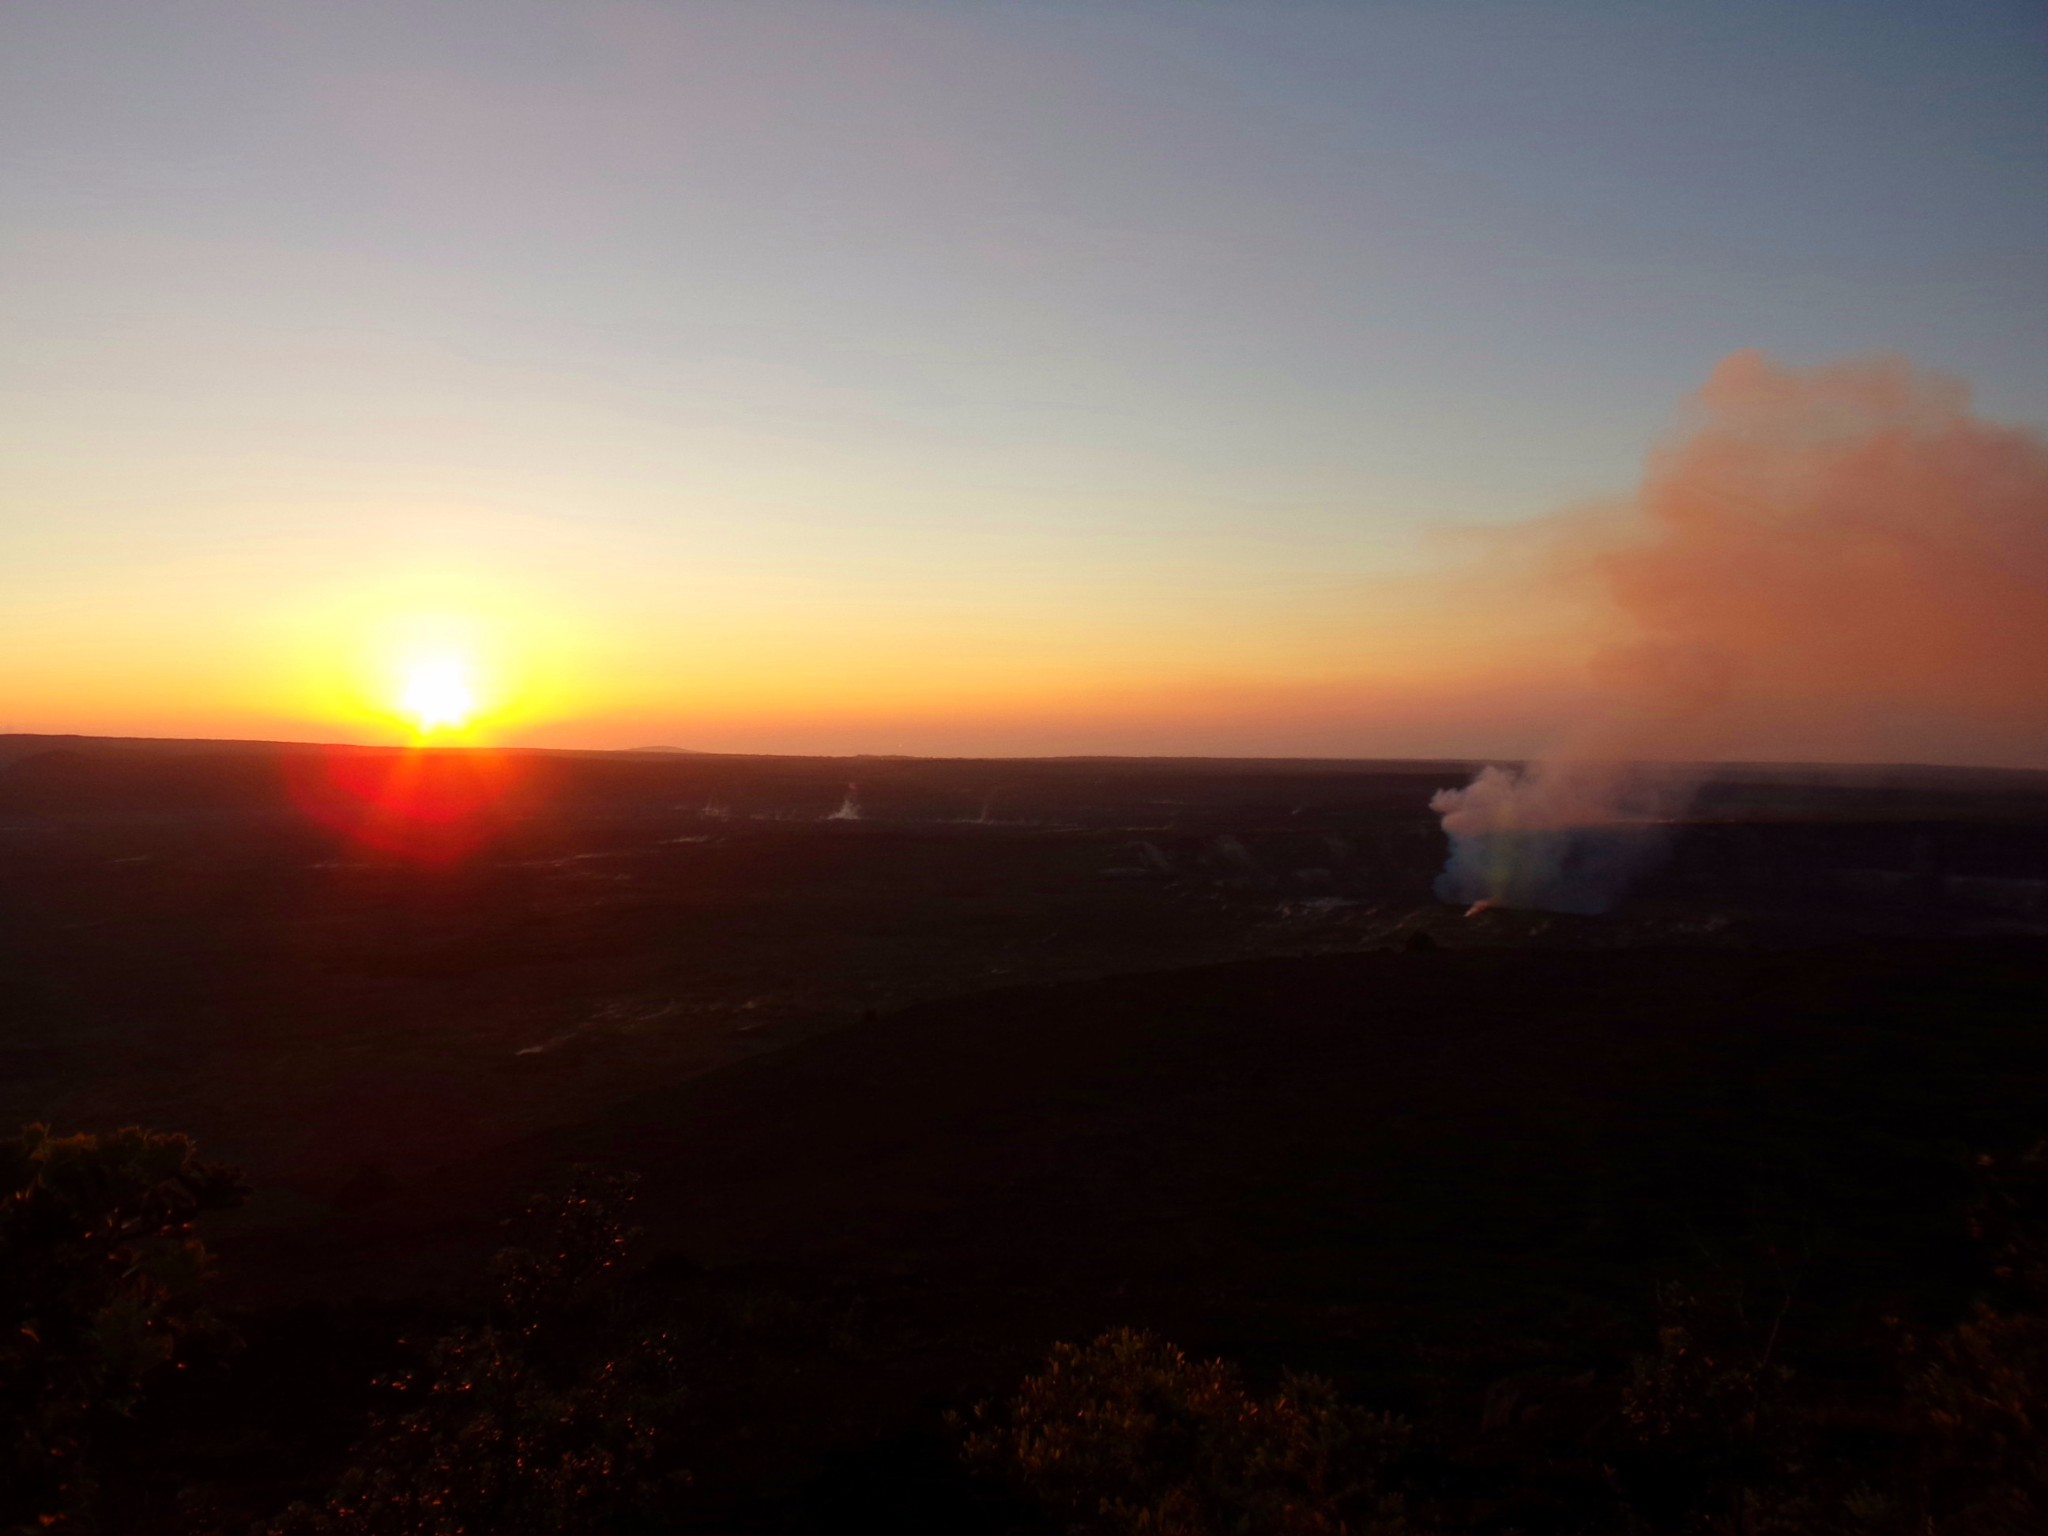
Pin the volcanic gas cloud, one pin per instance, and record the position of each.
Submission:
(1840, 562)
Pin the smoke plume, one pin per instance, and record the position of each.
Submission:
(1554, 837)
(1839, 563)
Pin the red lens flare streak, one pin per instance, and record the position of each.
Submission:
(432, 804)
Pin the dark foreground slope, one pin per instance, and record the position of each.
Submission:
(1428, 1173)
(1254, 1145)
(1219, 1095)
(335, 967)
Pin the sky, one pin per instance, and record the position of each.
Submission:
(995, 376)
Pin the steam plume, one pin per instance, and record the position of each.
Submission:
(1555, 837)
(1836, 562)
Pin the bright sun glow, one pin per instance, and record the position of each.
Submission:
(436, 695)
(435, 657)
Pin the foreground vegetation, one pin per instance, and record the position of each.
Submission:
(577, 1398)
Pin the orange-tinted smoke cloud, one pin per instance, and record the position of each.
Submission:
(1836, 562)
(1841, 561)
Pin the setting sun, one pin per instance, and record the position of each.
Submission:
(437, 695)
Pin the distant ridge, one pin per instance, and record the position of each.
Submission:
(16, 745)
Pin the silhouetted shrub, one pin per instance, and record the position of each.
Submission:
(1728, 1438)
(541, 1422)
(99, 1285)
(1706, 1405)
(1128, 1437)
(2010, 1222)
(1976, 1398)
(1738, 1444)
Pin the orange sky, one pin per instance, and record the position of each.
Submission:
(1832, 563)
(803, 376)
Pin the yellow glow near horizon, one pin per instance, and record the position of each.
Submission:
(435, 652)
(437, 694)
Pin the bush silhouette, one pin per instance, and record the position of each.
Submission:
(1126, 1436)
(539, 1422)
(99, 1295)
(1977, 1396)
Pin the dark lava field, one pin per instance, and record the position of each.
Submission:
(949, 1060)
(340, 986)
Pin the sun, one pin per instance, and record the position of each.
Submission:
(436, 694)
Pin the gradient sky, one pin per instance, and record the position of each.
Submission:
(984, 377)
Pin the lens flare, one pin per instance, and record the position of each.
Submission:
(420, 804)
(436, 694)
